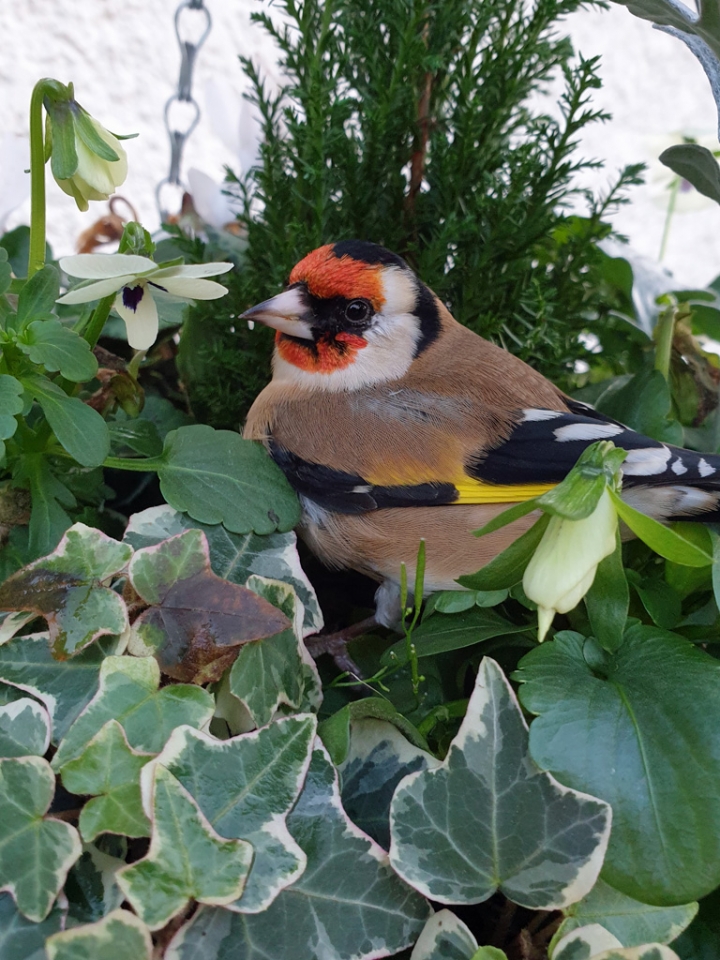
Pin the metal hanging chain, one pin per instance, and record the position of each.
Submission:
(178, 133)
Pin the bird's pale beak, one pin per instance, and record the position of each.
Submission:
(288, 312)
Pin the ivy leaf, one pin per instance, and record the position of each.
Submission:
(217, 477)
(445, 937)
(58, 348)
(91, 887)
(35, 854)
(613, 731)
(66, 588)
(348, 904)
(37, 297)
(246, 787)
(196, 620)
(24, 729)
(108, 770)
(235, 557)
(475, 849)
(79, 429)
(595, 943)
(378, 758)
(632, 922)
(335, 732)
(120, 934)
(128, 692)
(22, 939)
(187, 859)
(64, 688)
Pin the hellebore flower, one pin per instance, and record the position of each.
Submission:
(562, 569)
(133, 278)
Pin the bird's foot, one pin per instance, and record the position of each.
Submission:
(336, 645)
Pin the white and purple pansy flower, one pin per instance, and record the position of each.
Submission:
(133, 279)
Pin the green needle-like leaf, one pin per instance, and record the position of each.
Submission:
(57, 348)
(120, 935)
(129, 693)
(187, 860)
(216, 476)
(35, 854)
(474, 847)
(108, 770)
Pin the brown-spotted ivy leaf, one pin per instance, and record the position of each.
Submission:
(196, 621)
(69, 589)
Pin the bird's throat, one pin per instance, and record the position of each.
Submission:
(324, 355)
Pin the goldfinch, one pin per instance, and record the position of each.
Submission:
(394, 423)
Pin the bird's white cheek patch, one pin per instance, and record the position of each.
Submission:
(646, 462)
(587, 431)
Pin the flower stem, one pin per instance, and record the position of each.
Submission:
(36, 258)
(139, 464)
(664, 330)
(674, 190)
(97, 320)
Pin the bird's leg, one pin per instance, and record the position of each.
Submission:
(336, 645)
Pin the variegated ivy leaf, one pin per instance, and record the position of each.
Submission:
(485, 787)
(445, 937)
(67, 588)
(593, 942)
(23, 939)
(187, 859)
(378, 758)
(129, 693)
(632, 922)
(270, 672)
(348, 904)
(108, 770)
(91, 886)
(120, 934)
(246, 788)
(234, 556)
(195, 620)
(35, 853)
(64, 687)
(24, 729)
(11, 623)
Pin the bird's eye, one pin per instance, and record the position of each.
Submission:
(357, 311)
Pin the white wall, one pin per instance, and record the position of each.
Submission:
(123, 57)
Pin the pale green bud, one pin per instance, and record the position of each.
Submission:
(95, 177)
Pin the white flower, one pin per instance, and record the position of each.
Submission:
(133, 279)
(95, 178)
(563, 567)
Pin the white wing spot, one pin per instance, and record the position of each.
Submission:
(704, 468)
(534, 414)
(646, 462)
(587, 431)
(678, 467)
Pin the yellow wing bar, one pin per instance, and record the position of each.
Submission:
(475, 491)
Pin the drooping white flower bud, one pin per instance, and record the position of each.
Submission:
(95, 177)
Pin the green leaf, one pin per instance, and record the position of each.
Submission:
(50, 497)
(608, 600)
(233, 556)
(592, 940)
(17, 244)
(638, 729)
(695, 164)
(120, 934)
(187, 859)
(139, 436)
(5, 271)
(644, 404)
(216, 476)
(22, 939)
(577, 496)
(715, 540)
(10, 405)
(91, 887)
(632, 922)
(335, 731)
(508, 568)
(58, 348)
(660, 600)
(196, 620)
(64, 687)
(377, 759)
(67, 589)
(129, 693)
(35, 854)
(24, 729)
(348, 904)
(475, 848)
(64, 158)
(246, 788)
(108, 770)
(663, 540)
(79, 429)
(440, 634)
(37, 297)
(87, 132)
(445, 937)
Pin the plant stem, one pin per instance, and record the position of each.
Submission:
(674, 190)
(36, 257)
(97, 320)
(139, 464)
(664, 330)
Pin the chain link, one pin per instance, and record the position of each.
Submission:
(182, 111)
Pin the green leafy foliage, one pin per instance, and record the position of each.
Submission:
(24, 729)
(120, 932)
